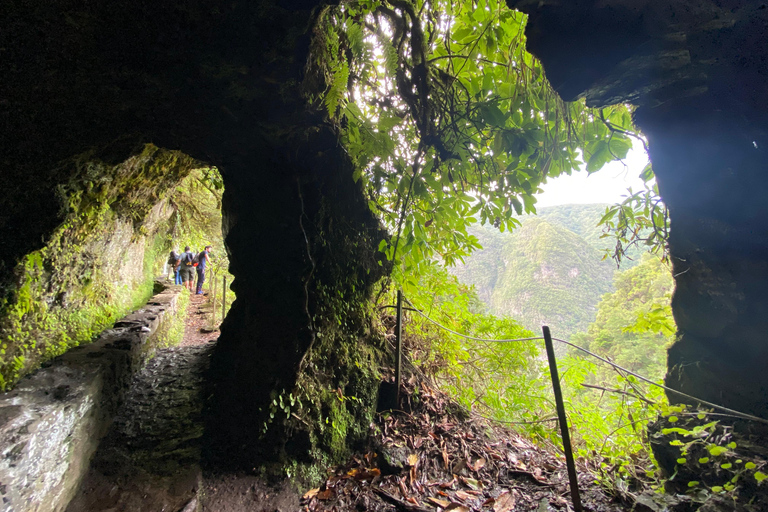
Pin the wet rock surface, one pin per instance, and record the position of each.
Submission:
(150, 458)
(52, 422)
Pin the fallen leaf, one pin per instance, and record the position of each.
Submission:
(401, 484)
(413, 501)
(460, 464)
(448, 485)
(413, 459)
(504, 503)
(478, 465)
(472, 483)
(455, 507)
(538, 476)
(366, 475)
(464, 495)
(325, 495)
(439, 503)
(310, 494)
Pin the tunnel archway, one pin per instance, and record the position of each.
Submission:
(697, 71)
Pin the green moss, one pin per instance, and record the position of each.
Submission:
(171, 332)
(98, 264)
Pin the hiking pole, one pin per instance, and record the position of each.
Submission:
(562, 420)
(398, 346)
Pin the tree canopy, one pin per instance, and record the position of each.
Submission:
(451, 121)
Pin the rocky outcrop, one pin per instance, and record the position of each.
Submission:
(697, 70)
(52, 422)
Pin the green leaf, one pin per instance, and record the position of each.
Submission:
(647, 174)
(717, 450)
(600, 155)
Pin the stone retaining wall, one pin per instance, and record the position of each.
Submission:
(52, 422)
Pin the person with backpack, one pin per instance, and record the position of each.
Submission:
(187, 269)
(203, 260)
(172, 266)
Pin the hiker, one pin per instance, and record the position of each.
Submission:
(202, 262)
(172, 266)
(187, 269)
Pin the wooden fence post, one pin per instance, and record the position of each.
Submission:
(562, 420)
(213, 301)
(398, 346)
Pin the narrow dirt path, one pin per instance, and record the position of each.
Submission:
(150, 460)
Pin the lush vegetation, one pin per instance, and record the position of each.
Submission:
(509, 382)
(450, 122)
(96, 265)
(634, 324)
(196, 222)
(118, 223)
(542, 272)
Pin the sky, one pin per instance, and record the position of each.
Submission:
(608, 185)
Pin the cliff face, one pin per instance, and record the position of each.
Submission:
(539, 274)
(697, 71)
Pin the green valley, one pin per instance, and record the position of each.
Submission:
(547, 271)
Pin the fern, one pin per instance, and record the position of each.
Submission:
(356, 40)
(391, 58)
(335, 96)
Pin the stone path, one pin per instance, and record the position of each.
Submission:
(150, 459)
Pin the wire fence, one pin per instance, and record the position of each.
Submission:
(559, 402)
(701, 401)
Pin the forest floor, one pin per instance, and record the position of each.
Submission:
(435, 458)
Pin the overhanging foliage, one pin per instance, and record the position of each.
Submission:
(451, 121)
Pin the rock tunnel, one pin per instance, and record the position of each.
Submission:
(228, 83)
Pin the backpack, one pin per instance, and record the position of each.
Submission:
(188, 259)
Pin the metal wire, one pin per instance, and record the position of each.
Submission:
(738, 414)
(464, 335)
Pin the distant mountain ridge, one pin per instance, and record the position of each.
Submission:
(548, 271)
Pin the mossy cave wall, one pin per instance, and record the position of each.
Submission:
(97, 264)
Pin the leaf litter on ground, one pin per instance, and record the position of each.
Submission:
(432, 456)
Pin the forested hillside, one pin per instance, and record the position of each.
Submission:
(544, 271)
(634, 324)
